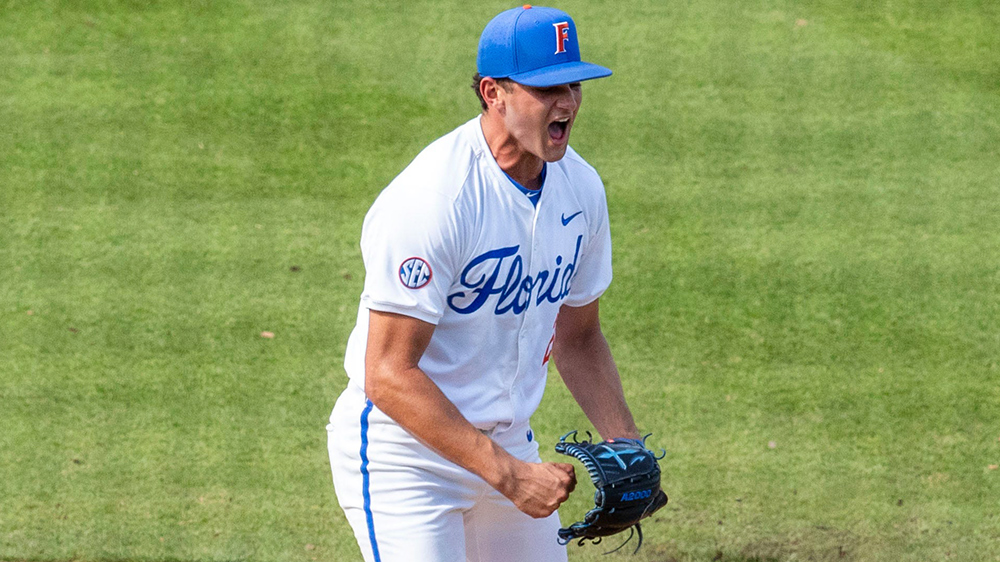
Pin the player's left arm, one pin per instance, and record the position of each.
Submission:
(584, 361)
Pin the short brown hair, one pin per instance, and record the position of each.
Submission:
(504, 83)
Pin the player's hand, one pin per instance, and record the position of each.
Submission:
(538, 488)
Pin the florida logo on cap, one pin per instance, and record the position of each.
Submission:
(517, 44)
(562, 35)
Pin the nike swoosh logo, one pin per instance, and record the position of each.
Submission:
(565, 219)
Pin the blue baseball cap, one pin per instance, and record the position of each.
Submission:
(534, 46)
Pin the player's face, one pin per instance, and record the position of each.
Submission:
(541, 118)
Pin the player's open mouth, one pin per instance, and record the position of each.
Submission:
(559, 129)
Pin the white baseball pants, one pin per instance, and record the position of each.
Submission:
(408, 504)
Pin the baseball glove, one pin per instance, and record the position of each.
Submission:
(627, 477)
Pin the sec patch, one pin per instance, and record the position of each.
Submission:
(414, 273)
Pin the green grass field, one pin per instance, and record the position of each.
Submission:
(804, 199)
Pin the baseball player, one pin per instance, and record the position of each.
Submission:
(484, 259)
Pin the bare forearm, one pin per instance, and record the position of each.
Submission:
(588, 369)
(395, 383)
(410, 398)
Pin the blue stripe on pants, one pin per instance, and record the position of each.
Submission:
(365, 480)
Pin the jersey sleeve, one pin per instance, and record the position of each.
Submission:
(593, 275)
(411, 246)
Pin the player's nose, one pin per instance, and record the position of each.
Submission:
(569, 98)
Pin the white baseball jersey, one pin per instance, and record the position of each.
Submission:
(453, 242)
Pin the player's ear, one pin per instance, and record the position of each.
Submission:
(491, 92)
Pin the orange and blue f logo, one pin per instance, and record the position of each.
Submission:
(562, 35)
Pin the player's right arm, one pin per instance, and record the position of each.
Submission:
(397, 386)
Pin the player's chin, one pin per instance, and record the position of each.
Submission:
(555, 151)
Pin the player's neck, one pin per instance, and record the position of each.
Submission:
(523, 166)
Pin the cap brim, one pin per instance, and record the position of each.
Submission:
(558, 74)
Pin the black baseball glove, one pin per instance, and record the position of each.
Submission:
(627, 477)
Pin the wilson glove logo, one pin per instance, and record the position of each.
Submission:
(515, 289)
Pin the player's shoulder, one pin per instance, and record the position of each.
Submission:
(573, 160)
(442, 169)
(429, 189)
(583, 177)
(579, 171)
